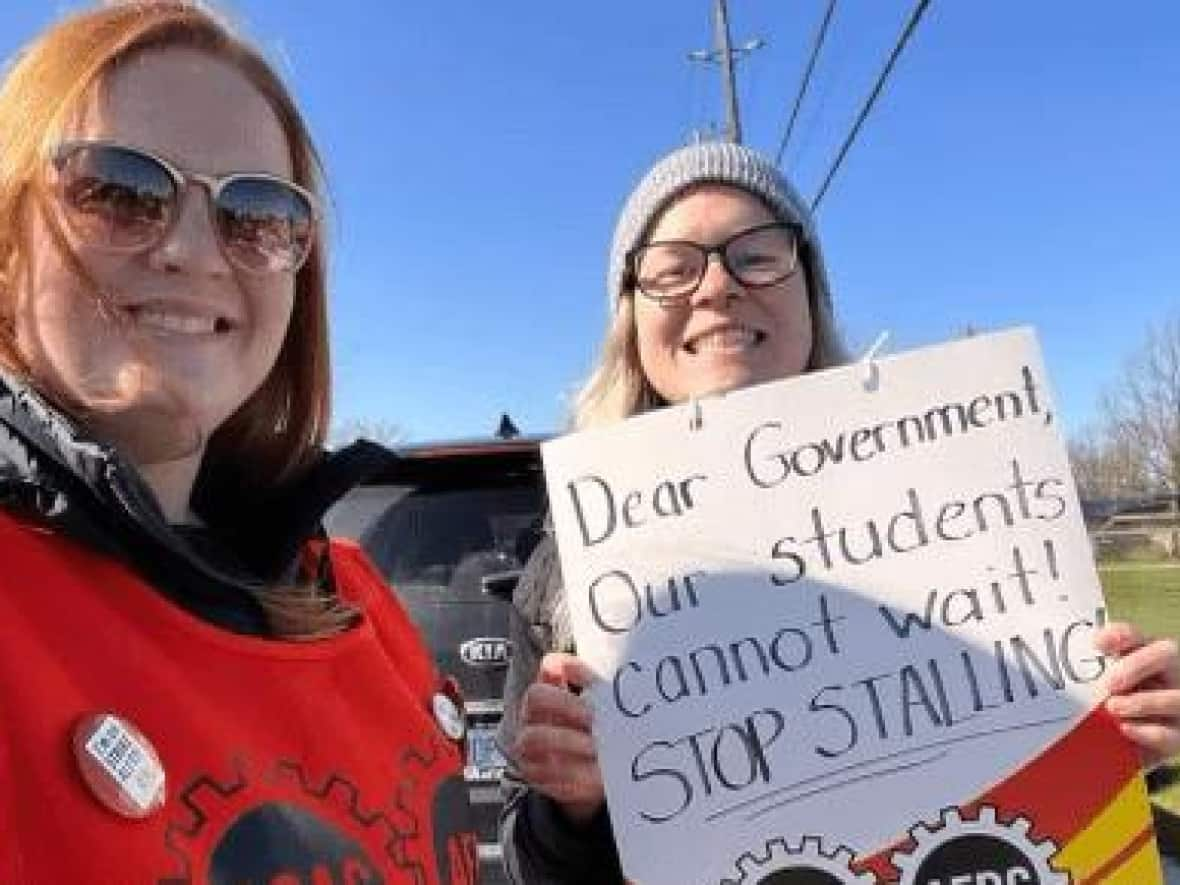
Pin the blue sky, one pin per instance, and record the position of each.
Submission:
(1020, 168)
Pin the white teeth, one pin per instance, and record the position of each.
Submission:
(731, 338)
(176, 323)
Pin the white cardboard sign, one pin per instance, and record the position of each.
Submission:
(842, 603)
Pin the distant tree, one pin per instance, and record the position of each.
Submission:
(1142, 409)
(1106, 467)
(385, 432)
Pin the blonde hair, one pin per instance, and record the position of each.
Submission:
(618, 388)
(280, 430)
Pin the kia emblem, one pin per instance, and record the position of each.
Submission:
(486, 651)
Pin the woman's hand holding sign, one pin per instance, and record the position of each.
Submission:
(554, 749)
(1144, 687)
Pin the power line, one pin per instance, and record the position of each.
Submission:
(915, 17)
(815, 48)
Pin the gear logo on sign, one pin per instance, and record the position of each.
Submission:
(804, 864)
(977, 851)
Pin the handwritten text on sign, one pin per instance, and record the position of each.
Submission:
(833, 608)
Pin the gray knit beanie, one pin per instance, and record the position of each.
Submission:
(715, 162)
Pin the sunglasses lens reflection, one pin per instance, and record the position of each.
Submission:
(265, 225)
(119, 198)
(116, 198)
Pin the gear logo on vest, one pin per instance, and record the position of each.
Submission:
(299, 848)
(274, 827)
(280, 825)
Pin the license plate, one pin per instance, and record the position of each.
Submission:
(484, 759)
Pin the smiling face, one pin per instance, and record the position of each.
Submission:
(177, 330)
(726, 336)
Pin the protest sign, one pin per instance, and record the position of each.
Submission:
(842, 628)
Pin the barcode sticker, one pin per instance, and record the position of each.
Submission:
(129, 763)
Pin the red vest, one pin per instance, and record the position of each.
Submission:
(285, 762)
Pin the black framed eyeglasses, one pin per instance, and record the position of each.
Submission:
(669, 271)
(125, 199)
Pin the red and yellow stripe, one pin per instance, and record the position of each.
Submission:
(1085, 793)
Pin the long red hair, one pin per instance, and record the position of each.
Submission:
(280, 430)
(282, 427)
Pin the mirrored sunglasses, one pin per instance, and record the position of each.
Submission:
(126, 199)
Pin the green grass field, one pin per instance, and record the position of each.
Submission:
(1145, 593)
(1148, 595)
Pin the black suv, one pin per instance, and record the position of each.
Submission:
(450, 526)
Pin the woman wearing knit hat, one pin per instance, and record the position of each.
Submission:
(684, 325)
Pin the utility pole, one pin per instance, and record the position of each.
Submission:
(725, 55)
(725, 48)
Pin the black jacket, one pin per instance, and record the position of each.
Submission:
(540, 845)
(52, 473)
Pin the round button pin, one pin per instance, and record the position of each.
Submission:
(449, 717)
(119, 765)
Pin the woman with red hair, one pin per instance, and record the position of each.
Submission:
(195, 684)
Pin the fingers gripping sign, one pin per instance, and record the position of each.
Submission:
(1144, 689)
(555, 748)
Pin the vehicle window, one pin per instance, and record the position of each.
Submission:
(353, 514)
(445, 541)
